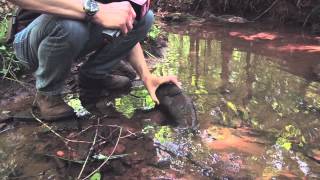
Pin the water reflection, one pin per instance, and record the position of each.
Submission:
(243, 83)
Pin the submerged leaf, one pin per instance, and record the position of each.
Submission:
(96, 176)
(232, 107)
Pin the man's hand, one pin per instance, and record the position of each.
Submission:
(153, 82)
(117, 15)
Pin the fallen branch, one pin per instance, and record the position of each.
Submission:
(65, 140)
(105, 162)
(91, 148)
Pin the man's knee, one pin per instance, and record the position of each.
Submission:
(148, 19)
(76, 33)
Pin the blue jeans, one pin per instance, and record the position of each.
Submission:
(49, 45)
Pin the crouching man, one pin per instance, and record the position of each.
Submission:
(67, 30)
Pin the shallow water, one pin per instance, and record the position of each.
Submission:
(257, 96)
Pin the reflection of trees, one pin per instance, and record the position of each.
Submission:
(193, 53)
(249, 80)
(268, 94)
(261, 92)
(207, 56)
(197, 73)
(226, 54)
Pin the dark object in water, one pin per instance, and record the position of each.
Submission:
(177, 105)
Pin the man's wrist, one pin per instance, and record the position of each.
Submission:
(145, 77)
(97, 17)
(90, 7)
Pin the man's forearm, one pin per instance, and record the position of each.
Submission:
(116, 15)
(137, 60)
(67, 8)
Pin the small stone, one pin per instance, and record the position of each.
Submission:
(60, 153)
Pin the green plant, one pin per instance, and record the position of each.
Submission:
(3, 28)
(8, 63)
(154, 32)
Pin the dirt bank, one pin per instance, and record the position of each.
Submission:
(297, 12)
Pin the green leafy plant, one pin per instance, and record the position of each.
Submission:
(154, 32)
(96, 176)
(3, 28)
(9, 65)
(290, 135)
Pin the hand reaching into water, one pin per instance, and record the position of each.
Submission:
(152, 82)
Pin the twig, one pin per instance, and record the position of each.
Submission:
(130, 134)
(150, 54)
(84, 130)
(19, 82)
(5, 130)
(93, 172)
(268, 9)
(91, 149)
(65, 140)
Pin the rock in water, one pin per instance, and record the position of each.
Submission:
(229, 19)
(177, 105)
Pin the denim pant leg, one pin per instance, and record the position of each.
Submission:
(106, 58)
(53, 43)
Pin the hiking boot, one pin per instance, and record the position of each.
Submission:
(108, 82)
(93, 90)
(124, 69)
(53, 107)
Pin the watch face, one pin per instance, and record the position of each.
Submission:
(91, 7)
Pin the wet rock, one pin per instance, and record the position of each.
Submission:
(229, 19)
(175, 17)
(2, 125)
(5, 116)
(177, 105)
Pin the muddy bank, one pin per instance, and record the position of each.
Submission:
(297, 12)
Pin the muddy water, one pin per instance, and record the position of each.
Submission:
(257, 95)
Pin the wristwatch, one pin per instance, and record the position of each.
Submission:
(90, 7)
